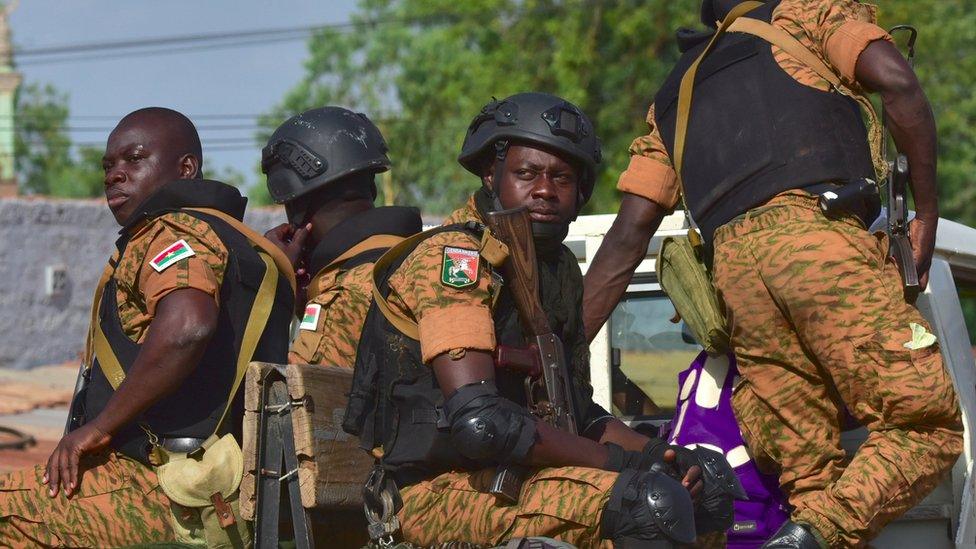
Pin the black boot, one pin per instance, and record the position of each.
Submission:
(792, 536)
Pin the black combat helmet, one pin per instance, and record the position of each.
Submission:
(716, 10)
(534, 118)
(319, 146)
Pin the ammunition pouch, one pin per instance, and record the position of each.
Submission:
(205, 484)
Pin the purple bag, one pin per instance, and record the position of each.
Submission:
(704, 417)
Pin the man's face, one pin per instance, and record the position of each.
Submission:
(539, 180)
(137, 162)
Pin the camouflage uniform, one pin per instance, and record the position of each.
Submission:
(119, 501)
(565, 503)
(819, 322)
(343, 297)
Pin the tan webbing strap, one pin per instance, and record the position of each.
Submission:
(93, 318)
(493, 250)
(254, 329)
(371, 243)
(686, 89)
(407, 326)
(107, 361)
(280, 259)
(684, 108)
(789, 44)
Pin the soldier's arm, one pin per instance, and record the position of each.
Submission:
(551, 447)
(622, 250)
(185, 321)
(650, 191)
(882, 68)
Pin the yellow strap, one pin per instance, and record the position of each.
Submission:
(107, 360)
(254, 329)
(371, 243)
(280, 259)
(93, 317)
(686, 89)
(493, 250)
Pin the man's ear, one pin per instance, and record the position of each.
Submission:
(189, 166)
(488, 177)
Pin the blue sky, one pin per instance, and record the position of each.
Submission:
(245, 80)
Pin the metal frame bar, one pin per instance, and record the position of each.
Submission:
(277, 464)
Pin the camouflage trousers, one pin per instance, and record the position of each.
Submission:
(818, 323)
(118, 503)
(564, 503)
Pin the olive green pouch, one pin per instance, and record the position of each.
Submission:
(203, 491)
(685, 279)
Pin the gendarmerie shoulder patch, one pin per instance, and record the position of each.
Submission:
(173, 253)
(310, 320)
(459, 269)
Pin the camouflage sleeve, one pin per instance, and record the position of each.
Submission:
(836, 30)
(333, 320)
(446, 287)
(181, 252)
(650, 173)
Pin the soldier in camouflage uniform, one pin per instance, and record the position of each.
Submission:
(158, 307)
(818, 318)
(447, 420)
(321, 165)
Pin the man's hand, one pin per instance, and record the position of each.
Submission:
(290, 240)
(62, 466)
(921, 233)
(692, 480)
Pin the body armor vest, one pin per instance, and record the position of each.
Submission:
(396, 402)
(195, 407)
(754, 131)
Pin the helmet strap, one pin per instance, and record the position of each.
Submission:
(501, 152)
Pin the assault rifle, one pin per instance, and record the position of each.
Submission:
(76, 410)
(548, 385)
(900, 246)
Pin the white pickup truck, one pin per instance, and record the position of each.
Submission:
(637, 355)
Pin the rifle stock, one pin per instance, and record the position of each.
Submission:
(514, 228)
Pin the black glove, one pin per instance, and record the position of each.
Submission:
(653, 452)
(714, 511)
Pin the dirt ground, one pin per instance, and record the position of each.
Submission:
(34, 402)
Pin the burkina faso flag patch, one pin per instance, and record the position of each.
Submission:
(173, 253)
(310, 320)
(460, 267)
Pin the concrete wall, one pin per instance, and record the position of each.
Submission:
(77, 236)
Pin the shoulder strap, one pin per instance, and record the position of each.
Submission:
(263, 244)
(375, 242)
(492, 249)
(788, 43)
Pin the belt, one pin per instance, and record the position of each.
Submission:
(181, 445)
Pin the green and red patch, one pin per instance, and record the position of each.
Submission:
(175, 252)
(310, 320)
(459, 268)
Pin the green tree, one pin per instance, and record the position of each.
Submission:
(46, 163)
(435, 63)
(422, 68)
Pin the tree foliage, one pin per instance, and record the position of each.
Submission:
(46, 163)
(423, 68)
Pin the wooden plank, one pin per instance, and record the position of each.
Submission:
(332, 466)
(252, 417)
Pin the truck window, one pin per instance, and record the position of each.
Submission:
(967, 299)
(647, 352)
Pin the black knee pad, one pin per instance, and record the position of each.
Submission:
(648, 506)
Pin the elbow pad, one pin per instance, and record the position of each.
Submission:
(488, 427)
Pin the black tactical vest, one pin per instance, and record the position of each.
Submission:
(396, 402)
(388, 220)
(194, 409)
(754, 131)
